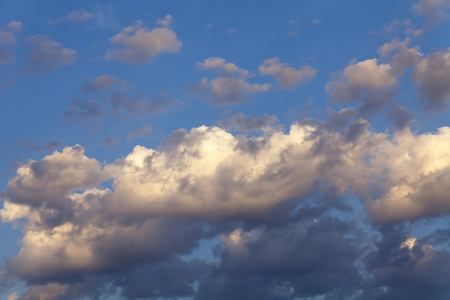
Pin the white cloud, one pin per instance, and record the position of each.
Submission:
(414, 171)
(223, 68)
(286, 76)
(139, 45)
(433, 76)
(47, 55)
(367, 81)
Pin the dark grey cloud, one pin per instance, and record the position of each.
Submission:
(305, 259)
(405, 267)
(432, 74)
(46, 55)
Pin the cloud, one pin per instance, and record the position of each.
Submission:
(271, 198)
(83, 111)
(139, 45)
(142, 107)
(46, 55)
(432, 74)
(316, 22)
(144, 131)
(433, 10)
(110, 141)
(367, 81)
(399, 116)
(8, 39)
(31, 145)
(288, 262)
(76, 16)
(103, 82)
(400, 56)
(46, 292)
(230, 87)
(250, 123)
(412, 171)
(286, 77)
(166, 22)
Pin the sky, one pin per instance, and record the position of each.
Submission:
(224, 150)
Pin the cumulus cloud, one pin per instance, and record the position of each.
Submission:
(367, 81)
(46, 55)
(254, 192)
(432, 74)
(102, 83)
(286, 76)
(399, 55)
(413, 186)
(250, 123)
(138, 44)
(230, 87)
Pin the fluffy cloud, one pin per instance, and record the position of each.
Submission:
(433, 76)
(274, 189)
(413, 170)
(286, 76)
(139, 45)
(400, 56)
(46, 55)
(433, 10)
(367, 81)
(230, 87)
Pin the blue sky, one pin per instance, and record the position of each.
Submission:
(224, 150)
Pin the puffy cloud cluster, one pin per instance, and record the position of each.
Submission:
(277, 201)
(249, 123)
(230, 87)
(286, 76)
(401, 57)
(138, 44)
(367, 81)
